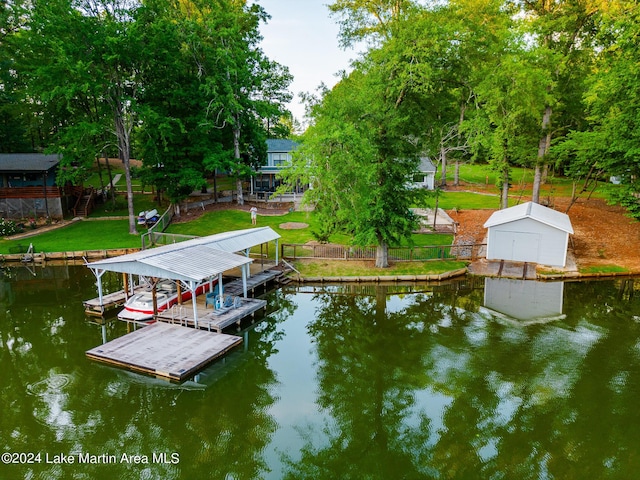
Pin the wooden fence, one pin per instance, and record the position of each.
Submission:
(295, 251)
(30, 192)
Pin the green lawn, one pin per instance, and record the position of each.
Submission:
(88, 235)
(226, 220)
(106, 234)
(480, 176)
(141, 202)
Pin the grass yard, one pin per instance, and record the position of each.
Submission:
(225, 220)
(141, 202)
(88, 235)
(337, 268)
(106, 234)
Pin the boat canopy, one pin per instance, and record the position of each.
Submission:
(194, 260)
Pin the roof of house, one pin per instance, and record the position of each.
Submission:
(534, 211)
(279, 145)
(426, 165)
(27, 162)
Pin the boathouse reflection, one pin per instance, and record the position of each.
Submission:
(525, 300)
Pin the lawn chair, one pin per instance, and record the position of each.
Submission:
(210, 298)
(223, 305)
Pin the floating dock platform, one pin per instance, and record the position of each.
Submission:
(173, 352)
(211, 320)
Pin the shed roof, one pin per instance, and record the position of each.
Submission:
(193, 260)
(426, 165)
(27, 162)
(534, 211)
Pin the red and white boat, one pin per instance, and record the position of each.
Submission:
(139, 307)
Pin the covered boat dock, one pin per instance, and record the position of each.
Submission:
(190, 263)
(177, 347)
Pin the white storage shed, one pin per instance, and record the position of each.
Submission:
(529, 233)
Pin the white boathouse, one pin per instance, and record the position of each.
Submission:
(529, 232)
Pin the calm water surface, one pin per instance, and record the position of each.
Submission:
(490, 380)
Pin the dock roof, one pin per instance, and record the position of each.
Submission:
(194, 260)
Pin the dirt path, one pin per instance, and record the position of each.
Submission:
(603, 234)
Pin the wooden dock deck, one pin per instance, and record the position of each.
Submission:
(209, 319)
(111, 300)
(173, 352)
(256, 280)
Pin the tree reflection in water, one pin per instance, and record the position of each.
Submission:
(440, 389)
(385, 382)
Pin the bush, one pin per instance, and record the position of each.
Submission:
(7, 227)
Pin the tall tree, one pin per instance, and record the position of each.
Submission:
(359, 156)
(505, 80)
(562, 32)
(79, 62)
(610, 144)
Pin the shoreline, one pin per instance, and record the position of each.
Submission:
(81, 257)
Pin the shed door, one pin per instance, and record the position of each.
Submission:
(518, 246)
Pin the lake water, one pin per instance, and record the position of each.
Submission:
(472, 379)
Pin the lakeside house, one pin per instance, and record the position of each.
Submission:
(28, 186)
(279, 155)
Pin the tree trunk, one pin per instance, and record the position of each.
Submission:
(543, 149)
(443, 161)
(236, 156)
(505, 189)
(124, 142)
(537, 177)
(382, 255)
(215, 185)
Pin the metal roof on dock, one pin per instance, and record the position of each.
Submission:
(193, 260)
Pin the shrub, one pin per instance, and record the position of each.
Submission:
(7, 227)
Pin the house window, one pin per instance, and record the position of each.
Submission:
(262, 183)
(280, 159)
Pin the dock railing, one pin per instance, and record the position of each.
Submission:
(295, 251)
(155, 234)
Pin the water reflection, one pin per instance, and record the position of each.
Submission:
(365, 381)
(526, 300)
(438, 390)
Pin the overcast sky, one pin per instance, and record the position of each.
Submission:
(301, 36)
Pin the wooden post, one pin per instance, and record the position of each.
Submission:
(154, 282)
(125, 281)
(179, 285)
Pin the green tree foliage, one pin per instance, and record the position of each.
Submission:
(360, 158)
(182, 85)
(609, 146)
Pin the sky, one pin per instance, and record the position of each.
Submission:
(302, 36)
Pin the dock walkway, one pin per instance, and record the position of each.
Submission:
(111, 300)
(256, 280)
(172, 352)
(211, 320)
